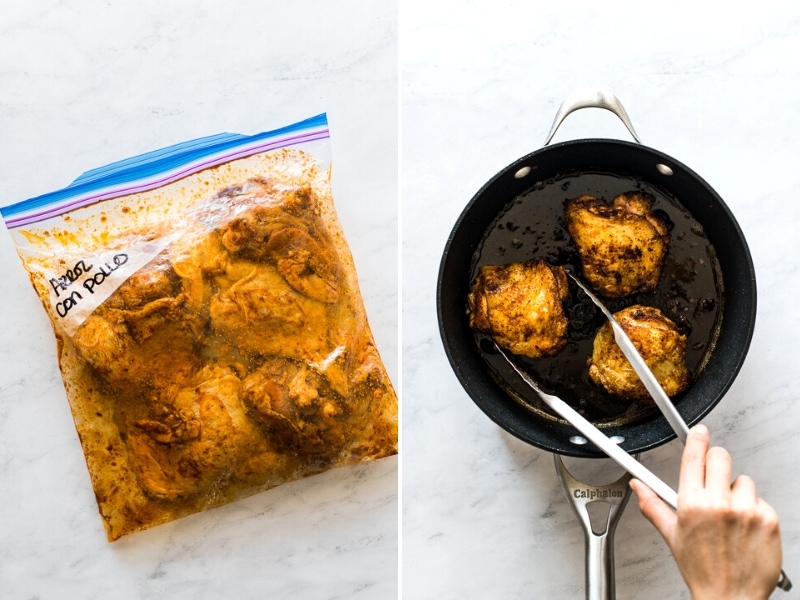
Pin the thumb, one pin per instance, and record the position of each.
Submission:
(655, 510)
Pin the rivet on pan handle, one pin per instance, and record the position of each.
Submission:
(591, 98)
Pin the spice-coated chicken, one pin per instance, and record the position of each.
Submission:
(521, 306)
(658, 340)
(622, 245)
(238, 358)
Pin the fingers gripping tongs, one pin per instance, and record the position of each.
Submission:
(603, 442)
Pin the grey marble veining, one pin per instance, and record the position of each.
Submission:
(717, 89)
(83, 84)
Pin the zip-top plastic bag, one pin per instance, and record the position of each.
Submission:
(211, 335)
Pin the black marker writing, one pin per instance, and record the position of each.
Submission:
(59, 284)
(103, 272)
(63, 307)
(92, 277)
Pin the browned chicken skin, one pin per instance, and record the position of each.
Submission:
(657, 339)
(622, 245)
(521, 306)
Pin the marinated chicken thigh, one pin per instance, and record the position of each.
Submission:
(300, 249)
(658, 340)
(297, 408)
(238, 358)
(138, 339)
(181, 449)
(622, 245)
(521, 306)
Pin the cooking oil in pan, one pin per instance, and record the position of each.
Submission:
(689, 292)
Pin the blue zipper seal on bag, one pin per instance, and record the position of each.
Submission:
(159, 167)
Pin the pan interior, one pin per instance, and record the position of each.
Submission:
(668, 177)
(690, 291)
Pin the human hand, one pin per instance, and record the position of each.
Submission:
(725, 539)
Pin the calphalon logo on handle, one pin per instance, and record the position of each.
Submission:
(597, 493)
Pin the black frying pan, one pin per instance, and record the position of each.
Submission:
(562, 169)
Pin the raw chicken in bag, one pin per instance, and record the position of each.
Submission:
(211, 334)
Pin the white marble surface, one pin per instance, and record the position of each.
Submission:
(86, 83)
(716, 88)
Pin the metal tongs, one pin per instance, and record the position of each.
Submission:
(649, 380)
(602, 441)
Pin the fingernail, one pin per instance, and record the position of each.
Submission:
(701, 429)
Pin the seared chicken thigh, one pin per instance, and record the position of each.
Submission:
(622, 245)
(521, 306)
(658, 340)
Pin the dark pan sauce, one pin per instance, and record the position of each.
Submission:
(690, 291)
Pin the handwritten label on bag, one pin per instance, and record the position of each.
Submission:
(75, 292)
(89, 276)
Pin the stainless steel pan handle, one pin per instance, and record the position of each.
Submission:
(591, 98)
(599, 537)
